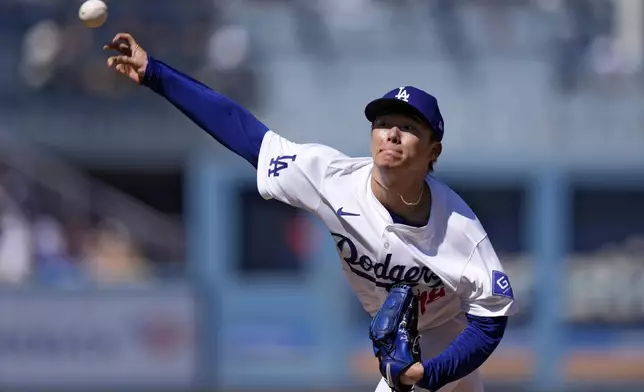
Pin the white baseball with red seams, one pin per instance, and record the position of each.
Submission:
(93, 13)
(450, 260)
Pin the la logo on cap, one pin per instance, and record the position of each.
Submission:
(403, 95)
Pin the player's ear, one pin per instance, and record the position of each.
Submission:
(437, 149)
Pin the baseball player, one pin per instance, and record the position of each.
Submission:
(392, 221)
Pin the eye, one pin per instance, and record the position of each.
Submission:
(408, 128)
(380, 123)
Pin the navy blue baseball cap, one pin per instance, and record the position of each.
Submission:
(409, 100)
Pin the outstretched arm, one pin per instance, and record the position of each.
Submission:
(229, 123)
(226, 121)
(289, 172)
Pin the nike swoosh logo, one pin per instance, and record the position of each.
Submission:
(341, 212)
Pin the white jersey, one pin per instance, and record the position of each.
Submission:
(450, 260)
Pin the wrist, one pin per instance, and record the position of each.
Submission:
(150, 74)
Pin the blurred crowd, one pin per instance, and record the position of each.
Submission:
(217, 41)
(50, 55)
(54, 233)
(46, 240)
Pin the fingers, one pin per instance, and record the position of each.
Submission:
(124, 37)
(122, 42)
(121, 60)
(119, 47)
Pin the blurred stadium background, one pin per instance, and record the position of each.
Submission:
(135, 253)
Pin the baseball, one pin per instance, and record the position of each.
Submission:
(93, 13)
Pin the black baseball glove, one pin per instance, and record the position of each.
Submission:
(394, 334)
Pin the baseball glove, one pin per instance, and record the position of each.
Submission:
(394, 334)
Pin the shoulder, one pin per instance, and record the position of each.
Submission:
(322, 159)
(275, 143)
(462, 228)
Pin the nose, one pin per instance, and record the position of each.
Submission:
(393, 135)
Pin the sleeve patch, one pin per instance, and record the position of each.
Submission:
(501, 285)
(279, 163)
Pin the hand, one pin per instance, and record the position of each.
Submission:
(132, 61)
(412, 375)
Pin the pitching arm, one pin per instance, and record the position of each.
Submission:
(229, 123)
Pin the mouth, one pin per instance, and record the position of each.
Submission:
(389, 151)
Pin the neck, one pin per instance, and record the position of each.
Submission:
(405, 197)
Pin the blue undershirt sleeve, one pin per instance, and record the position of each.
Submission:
(229, 123)
(466, 354)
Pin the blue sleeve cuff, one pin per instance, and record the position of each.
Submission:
(151, 77)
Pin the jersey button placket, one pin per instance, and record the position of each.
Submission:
(386, 243)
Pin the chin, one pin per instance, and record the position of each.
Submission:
(387, 163)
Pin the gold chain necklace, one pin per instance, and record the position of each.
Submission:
(422, 191)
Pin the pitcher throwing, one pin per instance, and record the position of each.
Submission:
(404, 238)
